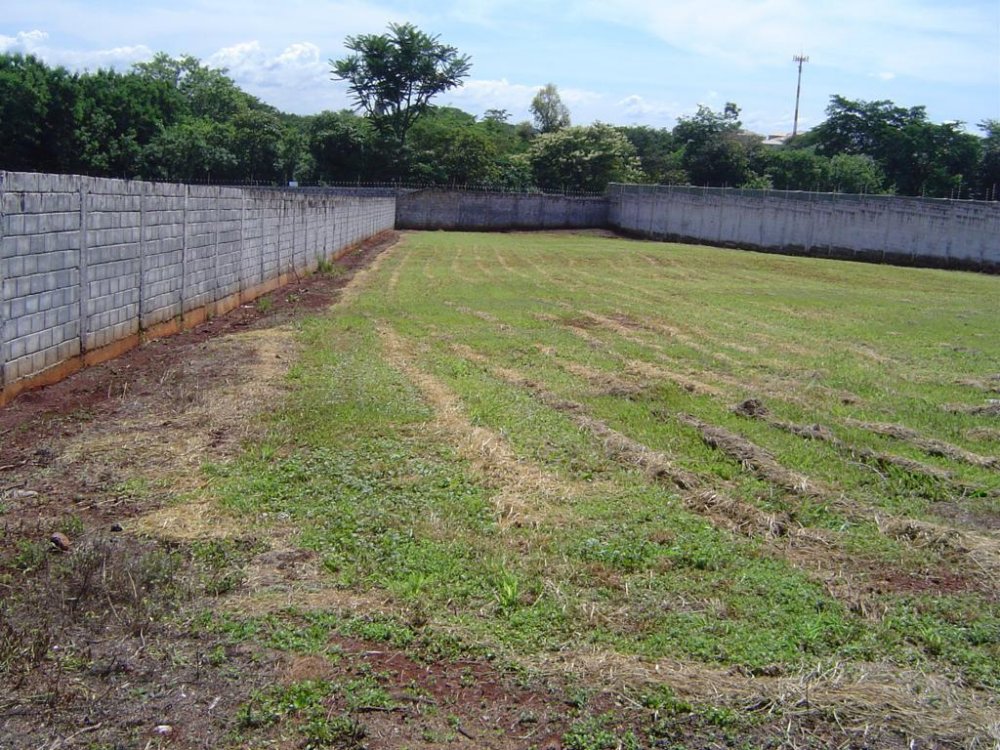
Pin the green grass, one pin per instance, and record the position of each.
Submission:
(617, 562)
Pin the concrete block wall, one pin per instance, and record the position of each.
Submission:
(911, 231)
(89, 264)
(162, 257)
(39, 274)
(444, 209)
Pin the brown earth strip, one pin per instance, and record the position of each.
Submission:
(98, 638)
(930, 446)
(754, 409)
(982, 550)
(752, 457)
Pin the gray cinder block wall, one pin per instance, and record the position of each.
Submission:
(911, 231)
(454, 209)
(86, 264)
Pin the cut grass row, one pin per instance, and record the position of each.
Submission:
(424, 407)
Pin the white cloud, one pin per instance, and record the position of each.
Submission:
(954, 42)
(251, 62)
(638, 109)
(26, 42)
(35, 42)
(479, 95)
(296, 78)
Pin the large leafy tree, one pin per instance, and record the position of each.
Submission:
(548, 110)
(796, 169)
(393, 77)
(988, 177)
(917, 156)
(716, 150)
(339, 143)
(658, 153)
(583, 159)
(36, 115)
(207, 92)
(449, 146)
(116, 115)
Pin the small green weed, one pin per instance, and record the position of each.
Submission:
(507, 590)
(264, 304)
(274, 704)
(365, 693)
(304, 704)
(221, 562)
(71, 525)
(30, 555)
(599, 733)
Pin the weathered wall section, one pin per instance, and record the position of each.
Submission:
(444, 209)
(87, 264)
(910, 231)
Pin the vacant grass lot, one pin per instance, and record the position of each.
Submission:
(554, 491)
(753, 498)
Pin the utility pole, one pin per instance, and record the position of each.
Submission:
(798, 89)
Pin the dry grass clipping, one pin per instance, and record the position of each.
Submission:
(527, 494)
(752, 457)
(188, 522)
(911, 702)
(931, 446)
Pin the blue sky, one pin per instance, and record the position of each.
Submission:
(633, 61)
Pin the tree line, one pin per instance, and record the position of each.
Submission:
(180, 120)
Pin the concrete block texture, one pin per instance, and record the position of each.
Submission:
(928, 232)
(89, 262)
(444, 209)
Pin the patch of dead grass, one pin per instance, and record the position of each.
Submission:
(527, 494)
(188, 522)
(859, 696)
(686, 382)
(931, 446)
(753, 458)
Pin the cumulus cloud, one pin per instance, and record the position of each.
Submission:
(296, 78)
(639, 109)
(479, 95)
(35, 43)
(25, 42)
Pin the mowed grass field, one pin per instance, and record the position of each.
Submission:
(705, 497)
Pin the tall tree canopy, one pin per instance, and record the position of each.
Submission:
(917, 156)
(392, 77)
(583, 159)
(548, 110)
(174, 118)
(717, 151)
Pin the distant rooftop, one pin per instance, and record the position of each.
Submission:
(777, 139)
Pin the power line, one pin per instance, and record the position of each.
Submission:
(798, 89)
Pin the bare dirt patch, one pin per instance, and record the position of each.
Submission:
(95, 645)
